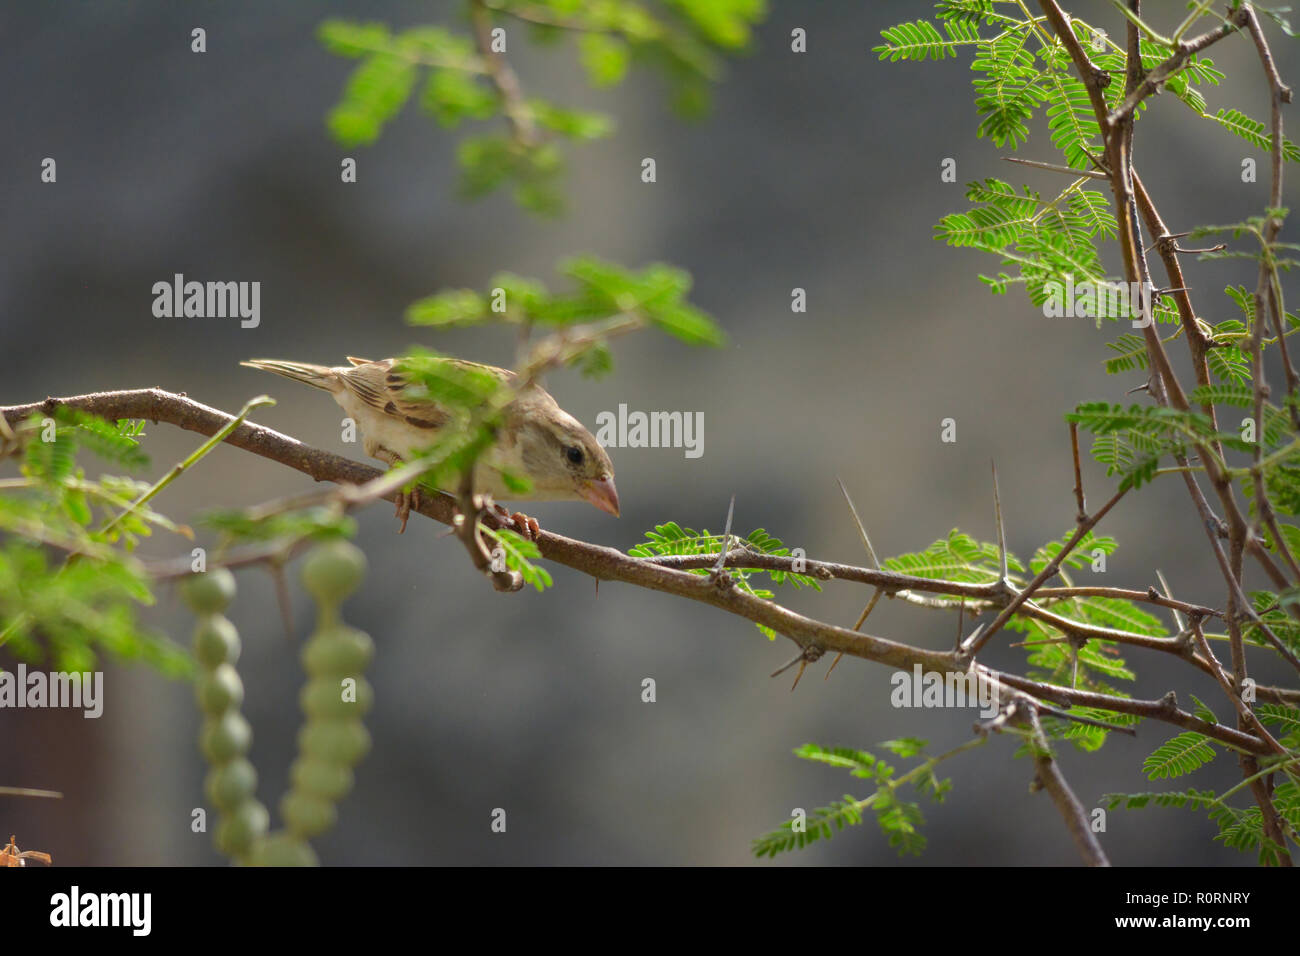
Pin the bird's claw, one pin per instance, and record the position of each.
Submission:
(527, 526)
(407, 501)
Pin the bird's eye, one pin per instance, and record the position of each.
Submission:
(574, 454)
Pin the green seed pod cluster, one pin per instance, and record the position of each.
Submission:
(225, 736)
(334, 699)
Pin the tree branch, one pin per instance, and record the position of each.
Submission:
(1050, 778)
(503, 78)
(1161, 72)
(661, 574)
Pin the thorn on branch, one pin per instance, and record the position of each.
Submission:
(1002, 531)
(875, 596)
(1053, 167)
(862, 531)
(726, 536)
(808, 654)
(718, 575)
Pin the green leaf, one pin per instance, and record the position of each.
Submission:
(687, 324)
(605, 58)
(858, 762)
(375, 92)
(920, 40)
(51, 461)
(724, 23)
(821, 824)
(576, 124)
(320, 523)
(1190, 799)
(519, 553)
(450, 308)
(905, 746)
(1130, 354)
(450, 382)
(1254, 132)
(1288, 718)
(485, 162)
(1240, 396)
(1070, 118)
(671, 538)
(594, 362)
(1009, 92)
(352, 40)
(1178, 756)
(1203, 711)
(451, 96)
(958, 557)
(70, 613)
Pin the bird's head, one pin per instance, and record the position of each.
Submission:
(558, 454)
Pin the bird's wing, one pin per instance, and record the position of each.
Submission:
(378, 385)
(381, 386)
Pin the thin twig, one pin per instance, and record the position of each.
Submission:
(1161, 72)
(1232, 693)
(1051, 779)
(516, 109)
(1078, 474)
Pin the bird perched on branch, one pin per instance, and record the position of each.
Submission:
(537, 439)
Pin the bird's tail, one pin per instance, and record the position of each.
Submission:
(318, 376)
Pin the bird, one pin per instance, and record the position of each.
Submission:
(536, 439)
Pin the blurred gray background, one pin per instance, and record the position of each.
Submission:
(819, 171)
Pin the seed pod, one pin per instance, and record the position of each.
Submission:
(237, 832)
(335, 741)
(307, 815)
(323, 698)
(216, 642)
(320, 778)
(219, 690)
(231, 784)
(337, 651)
(210, 592)
(333, 571)
(283, 849)
(226, 737)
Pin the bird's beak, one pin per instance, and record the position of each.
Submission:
(602, 494)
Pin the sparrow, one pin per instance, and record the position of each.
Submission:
(537, 439)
